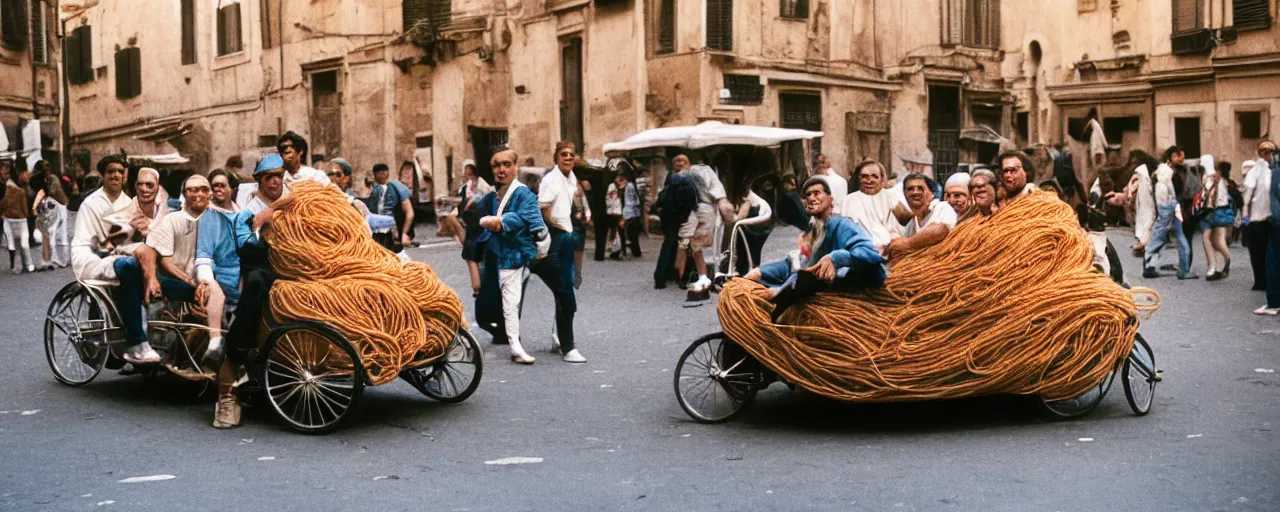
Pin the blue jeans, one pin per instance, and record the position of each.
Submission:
(129, 299)
(1166, 224)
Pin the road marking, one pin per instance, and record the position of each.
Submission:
(28, 413)
(1256, 370)
(1193, 436)
(507, 461)
(1085, 439)
(266, 458)
(144, 479)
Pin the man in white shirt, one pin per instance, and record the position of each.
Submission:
(555, 198)
(712, 201)
(1015, 166)
(1167, 190)
(91, 262)
(1257, 210)
(931, 219)
(839, 185)
(293, 150)
(881, 211)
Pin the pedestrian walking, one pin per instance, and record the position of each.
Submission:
(467, 221)
(1272, 307)
(1168, 188)
(390, 197)
(556, 194)
(1256, 214)
(51, 220)
(14, 211)
(632, 213)
(613, 218)
(1219, 217)
(676, 203)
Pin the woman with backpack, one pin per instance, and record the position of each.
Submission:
(1218, 215)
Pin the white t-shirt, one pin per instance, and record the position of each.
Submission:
(875, 214)
(306, 173)
(939, 213)
(174, 236)
(1165, 193)
(839, 189)
(1257, 185)
(91, 232)
(710, 189)
(556, 190)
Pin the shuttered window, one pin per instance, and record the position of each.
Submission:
(39, 33)
(743, 90)
(431, 13)
(188, 31)
(1249, 14)
(1187, 15)
(982, 23)
(666, 26)
(13, 24)
(229, 34)
(798, 9)
(269, 12)
(720, 25)
(128, 73)
(804, 112)
(79, 59)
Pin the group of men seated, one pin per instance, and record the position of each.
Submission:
(876, 224)
(207, 255)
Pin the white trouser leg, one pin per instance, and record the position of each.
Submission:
(511, 282)
(10, 242)
(16, 231)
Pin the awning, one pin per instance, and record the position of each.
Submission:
(165, 132)
(981, 133)
(169, 159)
(710, 133)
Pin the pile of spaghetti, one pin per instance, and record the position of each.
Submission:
(396, 315)
(1009, 304)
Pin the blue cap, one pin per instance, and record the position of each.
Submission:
(270, 162)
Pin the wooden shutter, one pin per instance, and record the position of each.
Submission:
(85, 38)
(235, 40)
(415, 11)
(794, 9)
(1187, 15)
(135, 71)
(1248, 14)
(269, 13)
(952, 14)
(39, 36)
(666, 26)
(720, 24)
(13, 24)
(122, 73)
(188, 31)
(71, 57)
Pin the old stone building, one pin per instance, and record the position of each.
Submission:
(29, 60)
(438, 81)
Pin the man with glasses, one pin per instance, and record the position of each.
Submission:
(1257, 211)
(881, 211)
(555, 199)
(1015, 166)
(92, 261)
(293, 151)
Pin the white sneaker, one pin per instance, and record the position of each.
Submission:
(700, 285)
(574, 357)
(519, 355)
(141, 353)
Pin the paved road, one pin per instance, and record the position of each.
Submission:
(612, 437)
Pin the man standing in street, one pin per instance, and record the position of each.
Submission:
(839, 185)
(390, 197)
(512, 223)
(555, 199)
(1167, 190)
(676, 203)
(1257, 211)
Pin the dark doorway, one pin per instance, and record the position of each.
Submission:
(1186, 133)
(804, 112)
(571, 103)
(485, 142)
(326, 113)
(944, 129)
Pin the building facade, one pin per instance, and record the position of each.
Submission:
(942, 82)
(30, 53)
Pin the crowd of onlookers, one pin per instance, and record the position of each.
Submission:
(36, 205)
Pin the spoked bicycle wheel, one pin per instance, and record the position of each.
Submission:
(75, 340)
(1081, 405)
(715, 379)
(1140, 377)
(456, 375)
(312, 376)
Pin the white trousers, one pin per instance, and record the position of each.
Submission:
(15, 231)
(511, 284)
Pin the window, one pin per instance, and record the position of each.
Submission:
(229, 40)
(666, 26)
(13, 24)
(803, 111)
(267, 141)
(743, 90)
(1086, 5)
(79, 55)
(797, 9)
(1250, 124)
(431, 13)
(270, 12)
(39, 33)
(188, 31)
(1251, 14)
(1186, 133)
(1022, 119)
(720, 25)
(128, 73)
(1187, 15)
(1113, 128)
(973, 23)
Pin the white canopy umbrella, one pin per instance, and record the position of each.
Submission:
(169, 159)
(707, 134)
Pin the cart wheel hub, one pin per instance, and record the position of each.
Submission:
(308, 377)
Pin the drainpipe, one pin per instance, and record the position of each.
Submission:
(65, 114)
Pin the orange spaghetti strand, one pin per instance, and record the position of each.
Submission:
(1008, 304)
(397, 316)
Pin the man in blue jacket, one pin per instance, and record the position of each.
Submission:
(513, 224)
(834, 253)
